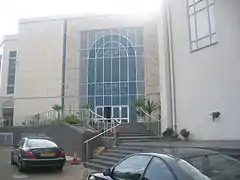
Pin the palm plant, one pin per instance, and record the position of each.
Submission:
(58, 109)
(146, 105)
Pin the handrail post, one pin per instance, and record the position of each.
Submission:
(87, 151)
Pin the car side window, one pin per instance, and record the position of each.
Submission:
(158, 169)
(132, 168)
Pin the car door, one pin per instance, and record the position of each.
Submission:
(158, 169)
(18, 149)
(131, 168)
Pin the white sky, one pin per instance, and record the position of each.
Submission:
(13, 10)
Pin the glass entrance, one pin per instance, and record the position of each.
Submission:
(120, 113)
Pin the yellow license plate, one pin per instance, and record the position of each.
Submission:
(47, 155)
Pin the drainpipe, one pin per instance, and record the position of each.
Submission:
(64, 52)
(171, 67)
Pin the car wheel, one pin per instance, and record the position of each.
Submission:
(20, 166)
(12, 160)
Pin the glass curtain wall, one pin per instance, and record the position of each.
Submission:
(112, 68)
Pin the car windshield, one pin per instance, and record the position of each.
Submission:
(214, 167)
(41, 143)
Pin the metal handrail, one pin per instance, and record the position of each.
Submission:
(155, 120)
(94, 137)
(150, 115)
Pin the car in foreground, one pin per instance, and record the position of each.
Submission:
(37, 152)
(173, 164)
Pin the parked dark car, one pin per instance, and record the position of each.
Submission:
(37, 152)
(176, 164)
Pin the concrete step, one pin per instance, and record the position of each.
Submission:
(147, 133)
(131, 148)
(120, 156)
(107, 158)
(129, 141)
(137, 137)
(102, 162)
(97, 167)
(119, 151)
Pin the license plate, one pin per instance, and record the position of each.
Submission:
(47, 154)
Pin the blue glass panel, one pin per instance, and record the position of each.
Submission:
(132, 88)
(99, 100)
(107, 45)
(100, 111)
(91, 88)
(115, 44)
(99, 89)
(115, 100)
(92, 53)
(132, 113)
(116, 112)
(139, 36)
(124, 112)
(107, 100)
(123, 52)
(124, 88)
(115, 88)
(131, 51)
(124, 41)
(123, 67)
(99, 43)
(132, 100)
(99, 69)
(12, 54)
(132, 69)
(107, 70)
(140, 68)
(124, 100)
(91, 70)
(91, 100)
(107, 38)
(115, 52)
(100, 52)
(115, 38)
(115, 69)
(140, 88)
(107, 52)
(107, 88)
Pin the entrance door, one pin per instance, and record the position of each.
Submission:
(121, 113)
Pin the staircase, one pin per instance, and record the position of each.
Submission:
(127, 133)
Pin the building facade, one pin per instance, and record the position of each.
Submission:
(186, 55)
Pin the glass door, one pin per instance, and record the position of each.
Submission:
(120, 113)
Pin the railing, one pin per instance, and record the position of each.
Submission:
(152, 120)
(114, 123)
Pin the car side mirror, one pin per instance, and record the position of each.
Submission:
(107, 172)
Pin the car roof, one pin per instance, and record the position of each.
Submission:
(182, 153)
(39, 138)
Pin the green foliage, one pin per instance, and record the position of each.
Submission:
(88, 106)
(71, 119)
(147, 105)
(169, 132)
(57, 108)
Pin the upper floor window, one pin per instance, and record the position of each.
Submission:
(201, 23)
(11, 72)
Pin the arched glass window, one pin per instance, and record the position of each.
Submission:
(113, 68)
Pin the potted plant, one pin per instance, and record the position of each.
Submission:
(185, 133)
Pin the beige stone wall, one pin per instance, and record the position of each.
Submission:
(38, 75)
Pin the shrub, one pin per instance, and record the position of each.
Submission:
(185, 133)
(71, 119)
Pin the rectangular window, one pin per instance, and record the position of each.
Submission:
(11, 72)
(201, 24)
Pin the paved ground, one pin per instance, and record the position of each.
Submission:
(9, 172)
